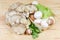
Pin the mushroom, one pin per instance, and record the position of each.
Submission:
(13, 20)
(23, 21)
(11, 13)
(38, 15)
(19, 29)
(14, 6)
(21, 8)
(30, 8)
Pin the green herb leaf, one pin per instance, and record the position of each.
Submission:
(45, 10)
(35, 30)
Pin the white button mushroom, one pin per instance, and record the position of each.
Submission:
(38, 14)
(37, 21)
(34, 2)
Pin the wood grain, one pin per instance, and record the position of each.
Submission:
(52, 34)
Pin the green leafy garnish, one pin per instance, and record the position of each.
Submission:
(35, 30)
(45, 10)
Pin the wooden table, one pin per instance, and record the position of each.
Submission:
(52, 34)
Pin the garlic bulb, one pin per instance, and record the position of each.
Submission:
(38, 14)
(19, 29)
(34, 2)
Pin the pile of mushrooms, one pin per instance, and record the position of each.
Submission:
(18, 14)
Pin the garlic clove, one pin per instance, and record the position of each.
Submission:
(37, 21)
(44, 23)
(38, 14)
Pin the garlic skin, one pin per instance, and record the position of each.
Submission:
(51, 20)
(38, 15)
(32, 17)
(44, 23)
(28, 31)
(19, 29)
(34, 2)
(37, 21)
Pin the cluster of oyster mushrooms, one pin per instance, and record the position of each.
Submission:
(19, 17)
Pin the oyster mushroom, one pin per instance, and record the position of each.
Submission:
(13, 20)
(19, 29)
(23, 21)
(30, 8)
(14, 6)
(21, 8)
(26, 14)
(11, 13)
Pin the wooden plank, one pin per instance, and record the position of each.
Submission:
(52, 34)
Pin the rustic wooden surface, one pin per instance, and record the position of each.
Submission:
(52, 34)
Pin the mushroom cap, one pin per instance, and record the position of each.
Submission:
(20, 29)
